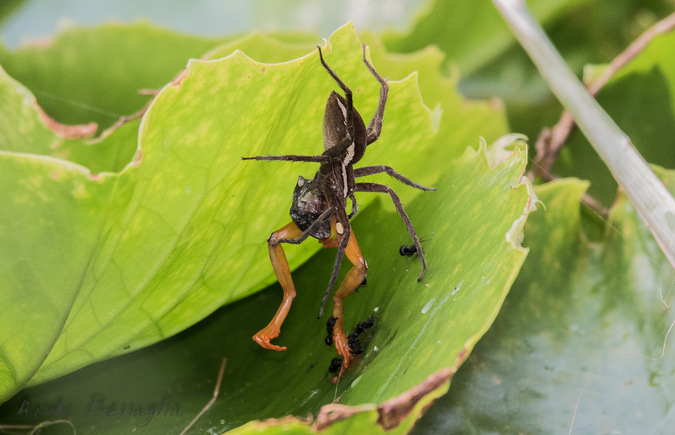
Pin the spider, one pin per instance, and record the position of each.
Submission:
(319, 206)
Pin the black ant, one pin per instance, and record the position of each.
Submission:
(354, 346)
(353, 338)
(319, 205)
(335, 365)
(362, 326)
(330, 324)
(407, 250)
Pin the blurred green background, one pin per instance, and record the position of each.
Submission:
(43, 18)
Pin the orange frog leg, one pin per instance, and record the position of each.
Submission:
(283, 273)
(352, 281)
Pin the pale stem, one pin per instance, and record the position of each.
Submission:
(654, 204)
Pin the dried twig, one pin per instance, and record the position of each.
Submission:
(128, 118)
(216, 391)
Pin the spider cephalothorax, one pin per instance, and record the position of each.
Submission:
(320, 203)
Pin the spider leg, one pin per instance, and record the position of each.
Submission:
(353, 279)
(342, 240)
(355, 206)
(291, 157)
(370, 170)
(381, 188)
(338, 149)
(375, 125)
(345, 89)
(283, 273)
(310, 229)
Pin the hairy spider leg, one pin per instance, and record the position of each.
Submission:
(381, 188)
(291, 158)
(283, 273)
(355, 206)
(323, 217)
(375, 125)
(348, 95)
(377, 169)
(351, 282)
(341, 240)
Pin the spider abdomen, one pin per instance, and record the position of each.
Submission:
(336, 132)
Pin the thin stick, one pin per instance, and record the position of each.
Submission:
(576, 409)
(216, 391)
(551, 142)
(652, 201)
(36, 428)
(636, 47)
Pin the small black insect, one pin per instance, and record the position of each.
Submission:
(335, 365)
(407, 250)
(362, 326)
(354, 344)
(319, 207)
(355, 347)
(330, 324)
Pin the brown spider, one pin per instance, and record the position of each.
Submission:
(319, 206)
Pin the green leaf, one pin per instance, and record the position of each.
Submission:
(423, 330)
(440, 93)
(583, 343)
(181, 230)
(69, 75)
(25, 128)
(266, 48)
(47, 238)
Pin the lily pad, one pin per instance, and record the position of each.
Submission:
(587, 350)
(95, 74)
(423, 331)
(179, 232)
